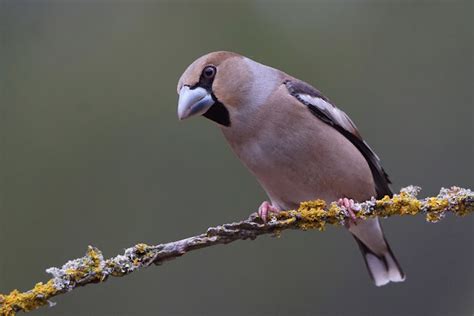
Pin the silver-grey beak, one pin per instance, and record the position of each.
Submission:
(193, 102)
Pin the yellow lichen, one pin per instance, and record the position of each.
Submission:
(96, 257)
(141, 248)
(75, 274)
(433, 217)
(93, 265)
(288, 221)
(403, 204)
(27, 301)
(461, 209)
(143, 252)
(334, 212)
(436, 204)
(312, 215)
(436, 208)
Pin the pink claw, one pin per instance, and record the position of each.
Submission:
(266, 209)
(349, 205)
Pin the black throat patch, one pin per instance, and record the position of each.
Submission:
(218, 113)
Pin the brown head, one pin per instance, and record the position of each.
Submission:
(219, 85)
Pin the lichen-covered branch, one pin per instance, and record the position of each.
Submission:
(93, 268)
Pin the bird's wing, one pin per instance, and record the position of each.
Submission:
(322, 108)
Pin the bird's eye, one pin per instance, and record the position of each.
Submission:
(209, 72)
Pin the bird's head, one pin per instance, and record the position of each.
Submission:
(220, 86)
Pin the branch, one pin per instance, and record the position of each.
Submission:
(93, 268)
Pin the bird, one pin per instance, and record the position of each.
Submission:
(295, 141)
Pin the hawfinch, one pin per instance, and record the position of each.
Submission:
(294, 140)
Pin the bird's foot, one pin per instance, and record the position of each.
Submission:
(265, 210)
(349, 206)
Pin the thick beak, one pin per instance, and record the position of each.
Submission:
(193, 102)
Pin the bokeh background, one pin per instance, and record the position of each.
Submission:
(92, 151)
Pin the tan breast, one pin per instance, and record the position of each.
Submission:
(296, 157)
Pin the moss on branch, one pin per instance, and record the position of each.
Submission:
(93, 268)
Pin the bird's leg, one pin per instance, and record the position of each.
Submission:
(349, 206)
(266, 209)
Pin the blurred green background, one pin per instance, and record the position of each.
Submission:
(92, 151)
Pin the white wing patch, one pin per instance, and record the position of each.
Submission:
(320, 103)
(332, 112)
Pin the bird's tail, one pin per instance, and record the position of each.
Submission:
(382, 265)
